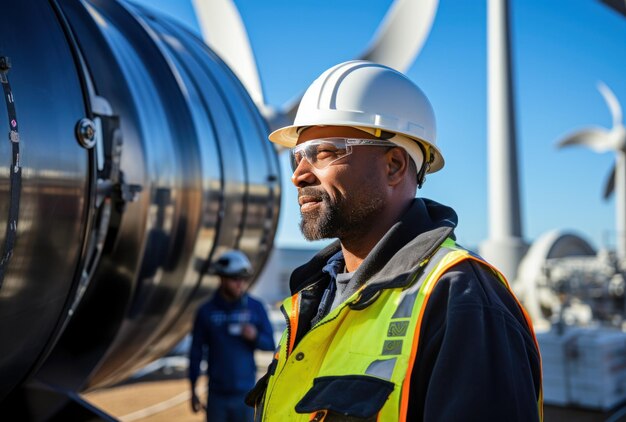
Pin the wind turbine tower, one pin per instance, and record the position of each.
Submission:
(505, 246)
(603, 140)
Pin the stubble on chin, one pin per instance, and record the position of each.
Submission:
(319, 224)
(330, 221)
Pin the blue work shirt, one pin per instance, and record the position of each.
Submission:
(217, 338)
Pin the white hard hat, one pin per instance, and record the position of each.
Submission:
(234, 264)
(371, 97)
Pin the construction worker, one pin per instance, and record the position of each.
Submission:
(394, 320)
(227, 330)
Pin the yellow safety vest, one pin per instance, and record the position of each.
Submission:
(371, 350)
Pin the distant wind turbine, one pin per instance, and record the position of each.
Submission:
(602, 140)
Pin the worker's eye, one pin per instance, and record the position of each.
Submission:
(296, 157)
(326, 152)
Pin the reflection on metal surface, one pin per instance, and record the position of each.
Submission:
(114, 240)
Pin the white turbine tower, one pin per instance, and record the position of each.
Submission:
(603, 140)
(505, 246)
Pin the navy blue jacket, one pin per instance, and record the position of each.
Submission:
(217, 338)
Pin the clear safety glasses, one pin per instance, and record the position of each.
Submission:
(321, 153)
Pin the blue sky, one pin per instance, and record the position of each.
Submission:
(560, 50)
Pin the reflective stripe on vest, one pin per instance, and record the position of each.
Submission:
(378, 343)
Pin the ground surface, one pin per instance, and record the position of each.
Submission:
(163, 396)
(155, 400)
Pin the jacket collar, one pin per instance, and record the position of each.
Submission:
(414, 238)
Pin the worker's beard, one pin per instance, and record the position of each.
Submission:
(342, 218)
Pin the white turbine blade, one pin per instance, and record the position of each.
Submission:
(397, 42)
(224, 31)
(609, 187)
(597, 139)
(402, 33)
(611, 101)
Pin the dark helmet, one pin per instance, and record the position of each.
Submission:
(234, 264)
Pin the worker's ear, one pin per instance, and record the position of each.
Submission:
(397, 165)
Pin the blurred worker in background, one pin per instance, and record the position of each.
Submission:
(394, 320)
(227, 330)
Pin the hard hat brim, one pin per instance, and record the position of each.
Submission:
(285, 136)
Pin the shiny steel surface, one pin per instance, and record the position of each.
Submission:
(194, 142)
(40, 277)
(248, 165)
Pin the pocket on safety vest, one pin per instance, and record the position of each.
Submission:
(345, 398)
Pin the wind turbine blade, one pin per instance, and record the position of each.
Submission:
(597, 139)
(609, 187)
(224, 31)
(397, 42)
(611, 101)
(402, 33)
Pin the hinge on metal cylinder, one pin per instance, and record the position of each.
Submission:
(102, 134)
(111, 179)
(124, 192)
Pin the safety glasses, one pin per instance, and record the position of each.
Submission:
(321, 153)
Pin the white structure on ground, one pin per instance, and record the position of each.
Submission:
(272, 286)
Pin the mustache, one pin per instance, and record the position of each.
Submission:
(317, 194)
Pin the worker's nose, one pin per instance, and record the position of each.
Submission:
(303, 175)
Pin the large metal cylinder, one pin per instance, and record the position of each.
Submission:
(108, 260)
